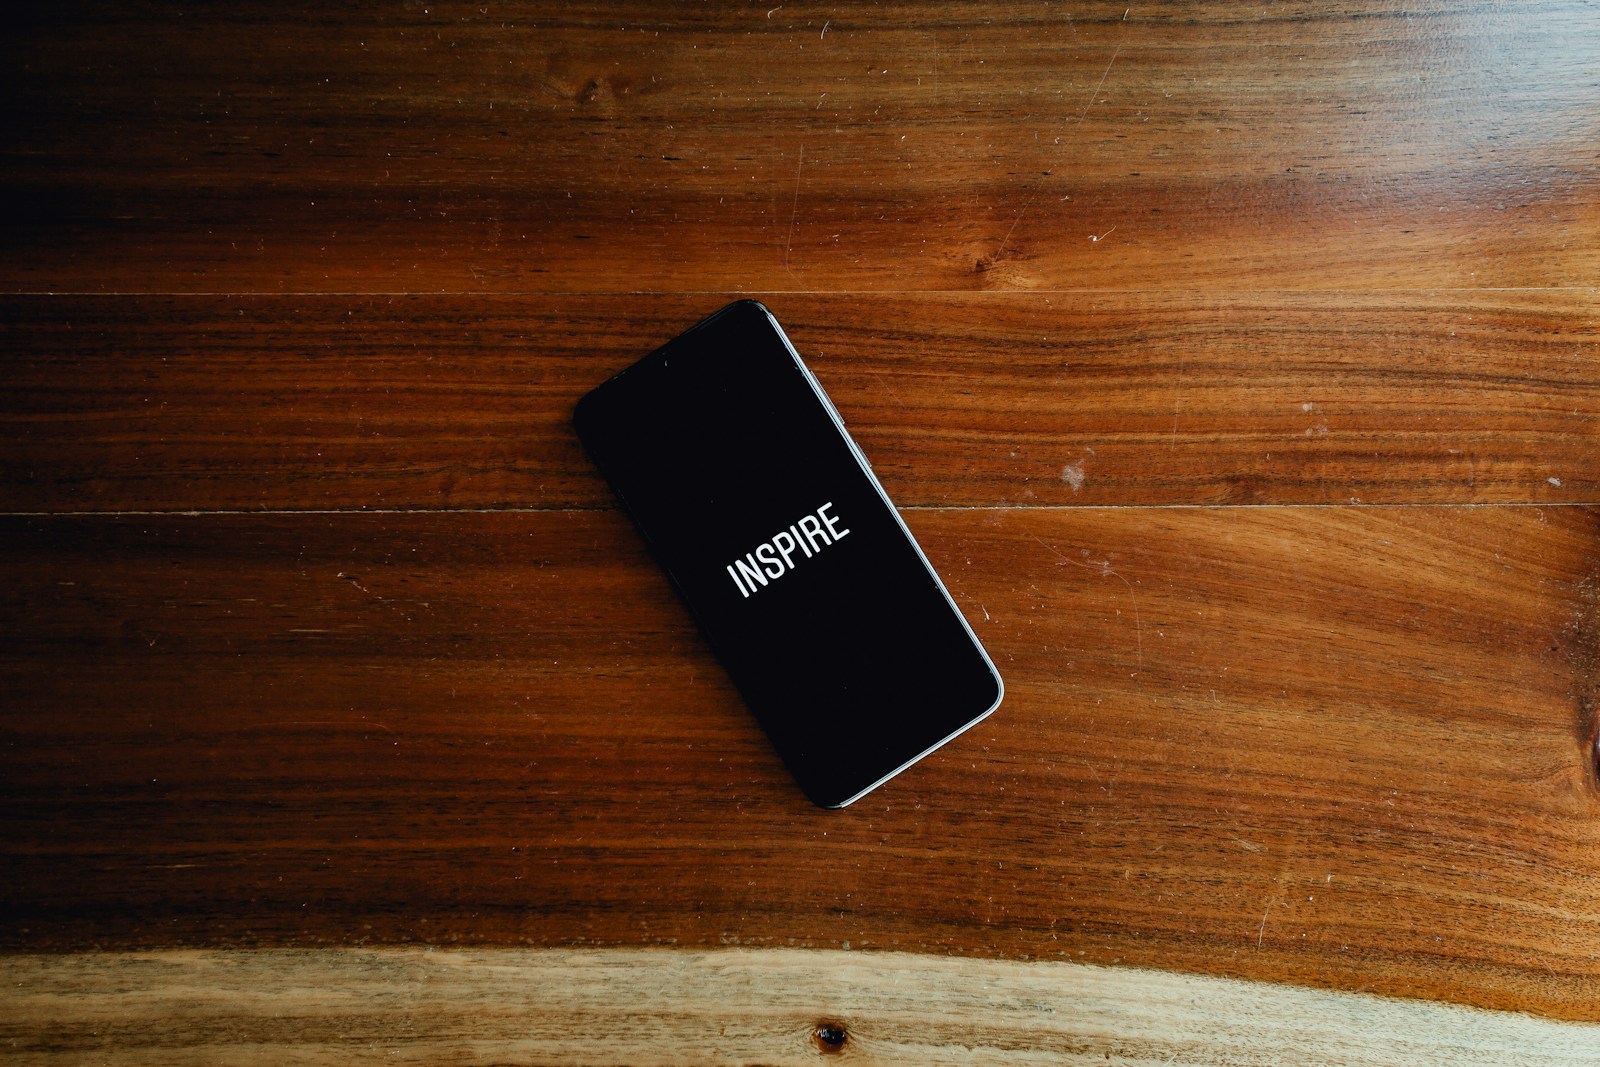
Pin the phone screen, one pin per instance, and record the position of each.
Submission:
(813, 593)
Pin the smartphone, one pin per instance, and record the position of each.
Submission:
(830, 621)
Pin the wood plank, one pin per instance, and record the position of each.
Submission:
(465, 402)
(562, 147)
(775, 1006)
(1341, 747)
(1057, 266)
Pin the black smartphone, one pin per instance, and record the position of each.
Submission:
(740, 474)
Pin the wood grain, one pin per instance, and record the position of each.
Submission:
(318, 633)
(1346, 747)
(626, 147)
(990, 399)
(722, 1007)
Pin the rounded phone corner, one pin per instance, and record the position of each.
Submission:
(999, 693)
(749, 306)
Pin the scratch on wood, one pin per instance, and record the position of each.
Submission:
(794, 209)
(322, 722)
(352, 579)
(1034, 194)
(888, 389)
(1103, 568)
(1177, 402)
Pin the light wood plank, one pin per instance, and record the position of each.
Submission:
(567, 1007)
(1351, 747)
(466, 402)
(619, 147)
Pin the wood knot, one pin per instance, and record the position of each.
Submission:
(830, 1038)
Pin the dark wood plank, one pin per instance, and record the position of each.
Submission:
(1348, 747)
(165, 403)
(620, 147)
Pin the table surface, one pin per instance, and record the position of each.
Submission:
(1237, 366)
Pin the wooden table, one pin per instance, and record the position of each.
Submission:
(1238, 366)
